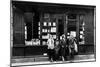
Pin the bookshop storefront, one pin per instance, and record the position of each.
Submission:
(32, 22)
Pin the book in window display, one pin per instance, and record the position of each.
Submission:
(45, 30)
(38, 23)
(54, 23)
(81, 32)
(49, 23)
(39, 32)
(48, 30)
(45, 23)
(53, 29)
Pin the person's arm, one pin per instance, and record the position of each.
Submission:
(47, 42)
(53, 41)
(75, 40)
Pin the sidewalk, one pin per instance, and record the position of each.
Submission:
(44, 60)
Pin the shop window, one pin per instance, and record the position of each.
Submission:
(35, 37)
(48, 27)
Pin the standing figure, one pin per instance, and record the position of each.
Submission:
(72, 45)
(56, 49)
(63, 48)
(50, 44)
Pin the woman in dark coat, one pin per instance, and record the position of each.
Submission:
(64, 50)
(56, 49)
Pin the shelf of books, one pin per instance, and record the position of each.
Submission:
(48, 27)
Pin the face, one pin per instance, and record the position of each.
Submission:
(63, 37)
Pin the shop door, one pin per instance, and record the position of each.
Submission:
(60, 24)
(72, 21)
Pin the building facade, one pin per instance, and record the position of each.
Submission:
(33, 21)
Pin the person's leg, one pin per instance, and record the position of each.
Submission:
(63, 53)
(57, 55)
(72, 54)
(67, 53)
(49, 54)
(52, 54)
(60, 53)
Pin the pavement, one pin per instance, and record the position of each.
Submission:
(44, 60)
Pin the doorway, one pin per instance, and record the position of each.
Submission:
(60, 25)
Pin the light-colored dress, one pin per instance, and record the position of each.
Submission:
(50, 44)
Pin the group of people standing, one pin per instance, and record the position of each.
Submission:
(60, 49)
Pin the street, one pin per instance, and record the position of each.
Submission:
(44, 60)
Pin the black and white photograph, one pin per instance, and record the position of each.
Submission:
(45, 33)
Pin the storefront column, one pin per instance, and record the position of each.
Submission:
(77, 30)
(65, 24)
(41, 21)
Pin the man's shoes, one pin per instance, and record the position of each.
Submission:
(63, 59)
(51, 60)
